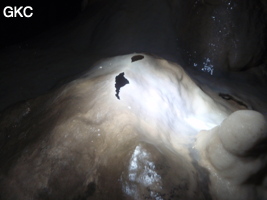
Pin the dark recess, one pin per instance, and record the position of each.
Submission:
(229, 97)
(120, 81)
(137, 57)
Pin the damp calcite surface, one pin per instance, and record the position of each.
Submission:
(134, 127)
(135, 100)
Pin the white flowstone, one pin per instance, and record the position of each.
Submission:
(230, 153)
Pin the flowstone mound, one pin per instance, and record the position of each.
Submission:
(134, 127)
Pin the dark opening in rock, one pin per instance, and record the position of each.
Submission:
(90, 190)
(91, 187)
(120, 81)
(230, 98)
(137, 57)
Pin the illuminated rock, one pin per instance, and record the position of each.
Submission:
(235, 155)
(127, 130)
